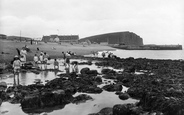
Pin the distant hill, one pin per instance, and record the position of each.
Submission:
(126, 38)
(18, 38)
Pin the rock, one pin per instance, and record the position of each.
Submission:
(158, 102)
(84, 70)
(108, 71)
(4, 96)
(90, 89)
(109, 76)
(111, 87)
(123, 109)
(86, 63)
(98, 79)
(104, 111)
(135, 92)
(30, 102)
(3, 112)
(124, 96)
(81, 98)
(45, 99)
(92, 72)
(135, 110)
(118, 92)
(28, 65)
(3, 84)
(35, 71)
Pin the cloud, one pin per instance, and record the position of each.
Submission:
(154, 20)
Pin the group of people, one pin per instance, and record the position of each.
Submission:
(103, 54)
(95, 54)
(66, 63)
(42, 58)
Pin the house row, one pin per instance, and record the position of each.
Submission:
(60, 38)
(2, 36)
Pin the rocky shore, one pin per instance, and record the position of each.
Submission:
(159, 86)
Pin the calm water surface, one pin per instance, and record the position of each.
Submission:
(150, 54)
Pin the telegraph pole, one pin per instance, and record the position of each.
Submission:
(20, 35)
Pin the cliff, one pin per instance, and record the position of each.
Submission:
(127, 38)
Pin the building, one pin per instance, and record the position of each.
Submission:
(2, 36)
(61, 38)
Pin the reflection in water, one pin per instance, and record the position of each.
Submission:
(45, 74)
(16, 81)
(23, 78)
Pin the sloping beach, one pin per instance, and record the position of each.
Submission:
(8, 49)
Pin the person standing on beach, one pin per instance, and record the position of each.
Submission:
(56, 64)
(22, 59)
(16, 68)
(45, 57)
(103, 55)
(68, 62)
(36, 59)
(41, 58)
(64, 58)
(23, 52)
(67, 65)
(16, 64)
(75, 67)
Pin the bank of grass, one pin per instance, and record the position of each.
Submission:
(53, 49)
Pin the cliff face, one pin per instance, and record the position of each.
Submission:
(127, 38)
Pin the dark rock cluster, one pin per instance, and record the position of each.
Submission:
(159, 86)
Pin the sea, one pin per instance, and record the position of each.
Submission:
(105, 99)
(149, 54)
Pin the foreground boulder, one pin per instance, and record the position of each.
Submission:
(81, 98)
(123, 109)
(111, 87)
(124, 96)
(104, 111)
(158, 102)
(87, 71)
(90, 89)
(108, 71)
(45, 99)
(84, 70)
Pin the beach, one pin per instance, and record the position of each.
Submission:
(54, 50)
(107, 86)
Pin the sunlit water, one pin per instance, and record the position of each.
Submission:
(150, 54)
(105, 99)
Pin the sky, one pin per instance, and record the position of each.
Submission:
(156, 21)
